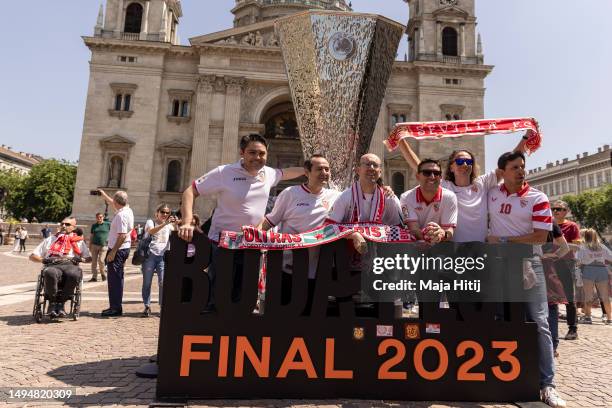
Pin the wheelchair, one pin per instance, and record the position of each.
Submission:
(42, 302)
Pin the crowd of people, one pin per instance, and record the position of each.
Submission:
(452, 202)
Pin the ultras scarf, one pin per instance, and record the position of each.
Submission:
(253, 238)
(456, 128)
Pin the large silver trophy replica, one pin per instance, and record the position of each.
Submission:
(338, 65)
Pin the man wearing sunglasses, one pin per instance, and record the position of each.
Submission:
(518, 213)
(61, 253)
(430, 210)
(565, 266)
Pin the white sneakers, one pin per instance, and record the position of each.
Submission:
(550, 397)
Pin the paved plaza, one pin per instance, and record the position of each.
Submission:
(98, 356)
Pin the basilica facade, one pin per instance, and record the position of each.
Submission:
(160, 114)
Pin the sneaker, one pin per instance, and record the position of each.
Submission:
(59, 309)
(103, 278)
(93, 280)
(146, 312)
(550, 397)
(571, 335)
(586, 320)
(562, 317)
(52, 311)
(608, 322)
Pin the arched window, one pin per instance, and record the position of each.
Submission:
(115, 172)
(173, 177)
(397, 183)
(133, 18)
(449, 41)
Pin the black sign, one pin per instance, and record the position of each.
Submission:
(331, 346)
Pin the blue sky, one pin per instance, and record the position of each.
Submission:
(551, 58)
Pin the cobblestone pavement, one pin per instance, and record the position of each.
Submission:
(98, 356)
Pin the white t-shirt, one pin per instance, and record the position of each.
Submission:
(43, 247)
(586, 256)
(341, 210)
(298, 210)
(472, 214)
(241, 197)
(160, 241)
(123, 223)
(513, 215)
(442, 209)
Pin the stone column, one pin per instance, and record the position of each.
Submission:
(144, 30)
(439, 39)
(380, 133)
(462, 40)
(231, 123)
(118, 28)
(201, 127)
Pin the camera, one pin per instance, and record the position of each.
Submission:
(94, 193)
(175, 213)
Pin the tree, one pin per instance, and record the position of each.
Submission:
(592, 209)
(46, 192)
(10, 181)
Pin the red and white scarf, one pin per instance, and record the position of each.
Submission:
(456, 128)
(377, 209)
(64, 243)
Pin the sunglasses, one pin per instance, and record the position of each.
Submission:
(559, 209)
(164, 212)
(67, 224)
(429, 173)
(461, 162)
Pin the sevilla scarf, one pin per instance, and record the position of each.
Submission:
(440, 130)
(63, 244)
(376, 210)
(252, 238)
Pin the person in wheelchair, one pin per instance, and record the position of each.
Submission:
(61, 254)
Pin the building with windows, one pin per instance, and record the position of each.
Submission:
(159, 114)
(17, 161)
(585, 172)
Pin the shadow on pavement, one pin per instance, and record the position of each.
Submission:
(116, 375)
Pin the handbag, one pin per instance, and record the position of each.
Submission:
(142, 251)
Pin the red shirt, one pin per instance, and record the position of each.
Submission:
(571, 232)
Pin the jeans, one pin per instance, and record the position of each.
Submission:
(64, 277)
(153, 263)
(537, 311)
(114, 279)
(553, 323)
(565, 270)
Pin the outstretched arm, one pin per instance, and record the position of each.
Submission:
(291, 173)
(185, 230)
(409, 155)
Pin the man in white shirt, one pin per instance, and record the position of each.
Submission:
(365, 200)
(61, 253)
(119, 242)
(521, 214)
(429, 209)
(242, 191)
(302, 208)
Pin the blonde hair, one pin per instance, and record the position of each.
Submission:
(590, 238)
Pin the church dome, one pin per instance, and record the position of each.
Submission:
(253, 11)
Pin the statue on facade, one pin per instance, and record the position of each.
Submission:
(115, 171)
(258, 40)
(231, 40)
(272, 41)
(248, 39)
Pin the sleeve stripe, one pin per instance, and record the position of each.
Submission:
(270, 222)
(542, 218)
(541, 206)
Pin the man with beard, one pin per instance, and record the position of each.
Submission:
(302, 208)
(521, 214)
(430, 210)
(61, 253)
(242, 191)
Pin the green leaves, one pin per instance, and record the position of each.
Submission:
(592, 209)
(46, 192)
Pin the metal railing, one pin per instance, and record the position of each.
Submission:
(324, 4)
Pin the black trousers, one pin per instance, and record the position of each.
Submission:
(65, 277)
(564, 268)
